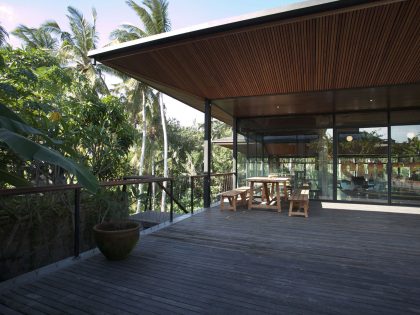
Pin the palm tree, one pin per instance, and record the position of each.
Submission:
(76, 44)
(154, 17)
(39, 38)
(3, 35)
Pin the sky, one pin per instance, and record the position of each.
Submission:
(112, 13)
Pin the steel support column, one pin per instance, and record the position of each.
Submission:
(235, 153)
(335, 159)
(389, 149)
(207, 154)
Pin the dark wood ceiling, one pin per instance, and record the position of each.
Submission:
(277, 67)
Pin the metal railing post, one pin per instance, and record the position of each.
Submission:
(171, 218)
(207, 155)
(192, 194)
(77, 222)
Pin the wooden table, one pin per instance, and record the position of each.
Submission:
(269, 201)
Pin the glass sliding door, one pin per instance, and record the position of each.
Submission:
(405, 154)
(362, 164)
(296, 147)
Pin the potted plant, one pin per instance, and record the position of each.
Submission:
(115, 235)
(116, 239)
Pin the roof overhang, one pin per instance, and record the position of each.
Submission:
(299, 59)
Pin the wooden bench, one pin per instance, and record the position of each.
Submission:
(232, 196)
(299, 199)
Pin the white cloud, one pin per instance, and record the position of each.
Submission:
(7, 13)
(185, 114)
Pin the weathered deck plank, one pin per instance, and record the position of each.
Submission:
(248, 262)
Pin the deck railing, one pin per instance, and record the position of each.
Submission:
(38, 224)
(41, 225)
(130, 180)
(219, 182)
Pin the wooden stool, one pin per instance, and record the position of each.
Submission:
(299, 199)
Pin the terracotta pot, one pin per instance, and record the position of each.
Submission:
(116, 240)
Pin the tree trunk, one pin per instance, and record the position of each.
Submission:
(165, 151)
(143, 150)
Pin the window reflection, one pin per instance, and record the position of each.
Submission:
(405, 186)
(362, 160)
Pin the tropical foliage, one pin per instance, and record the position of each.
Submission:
(60, 104)
(66, 106)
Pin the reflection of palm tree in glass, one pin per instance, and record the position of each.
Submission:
(412, 147)
(323, 147)
(365, 143)
(407, 154)
(360, 155)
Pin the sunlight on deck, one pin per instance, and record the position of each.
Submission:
(367, 207)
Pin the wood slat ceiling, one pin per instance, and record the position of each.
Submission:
(361, 46)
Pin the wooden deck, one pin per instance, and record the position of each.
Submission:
(246, 262)
(152, 216)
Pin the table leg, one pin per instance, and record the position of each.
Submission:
(266, 193)
(285, 190)
(251, 195)
(278, 201)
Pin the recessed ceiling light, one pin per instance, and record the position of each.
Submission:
(349, 138)
(278, 107)
(371, 100)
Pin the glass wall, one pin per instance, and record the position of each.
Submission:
(282, 147)
(377, 154)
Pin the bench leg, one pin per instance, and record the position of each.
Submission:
(290, 208)
(306, 208)
(251, 195)
(243, 198)
(232, 203)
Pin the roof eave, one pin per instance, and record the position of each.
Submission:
(282, 13)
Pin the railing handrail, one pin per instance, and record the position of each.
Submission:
(52, 188)
(202, 176)
(216, 174)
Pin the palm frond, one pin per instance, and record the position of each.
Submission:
(111, 71)
(3, 36)
(159, 10)
(127, 32)
(35, 37)
(144, 16)
(24, 33)
(52, 27)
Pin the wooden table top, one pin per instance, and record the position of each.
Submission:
(268, 179)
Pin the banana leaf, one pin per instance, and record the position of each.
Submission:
(13, 179)
(29, 150)
(6, 112)
(9, 120)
